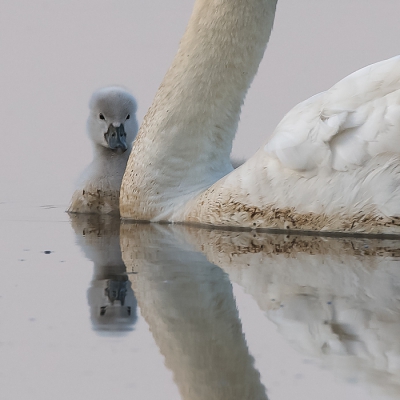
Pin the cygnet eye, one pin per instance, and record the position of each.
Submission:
(101, 116)
(128, 116)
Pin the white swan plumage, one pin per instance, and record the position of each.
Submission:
(333, 163)
(342, 128)
(111, 126)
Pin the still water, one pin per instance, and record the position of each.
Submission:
(94, 309)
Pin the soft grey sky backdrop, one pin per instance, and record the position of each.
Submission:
(55, 53)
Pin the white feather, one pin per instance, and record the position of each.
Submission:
(352, 122)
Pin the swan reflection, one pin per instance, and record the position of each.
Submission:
(113, 306)
(337, 299)
(189, 306)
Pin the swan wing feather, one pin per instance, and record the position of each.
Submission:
(341, 128)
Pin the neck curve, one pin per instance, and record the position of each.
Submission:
(184, 143)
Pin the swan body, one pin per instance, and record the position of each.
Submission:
(333, 163)
(112, 126)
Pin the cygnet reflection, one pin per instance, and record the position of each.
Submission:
(335, 299)
(113, 306)
(189, 306)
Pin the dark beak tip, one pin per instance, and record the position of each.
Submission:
(115, 138)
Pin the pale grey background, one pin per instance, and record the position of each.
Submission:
(55, 53)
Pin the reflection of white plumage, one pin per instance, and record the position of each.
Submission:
(110, 296)
(112, 127)
(332, 164)
(335, 299)
(189, 306)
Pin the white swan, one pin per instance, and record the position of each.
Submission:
(333, 163)
(112, 126)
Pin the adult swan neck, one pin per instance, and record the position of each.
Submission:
(184, 143)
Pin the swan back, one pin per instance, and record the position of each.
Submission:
(342, 128)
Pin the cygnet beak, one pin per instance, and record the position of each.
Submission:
(116, 138)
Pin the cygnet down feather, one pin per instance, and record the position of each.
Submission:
(111, 126)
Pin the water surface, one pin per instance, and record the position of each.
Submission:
(91, 308)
